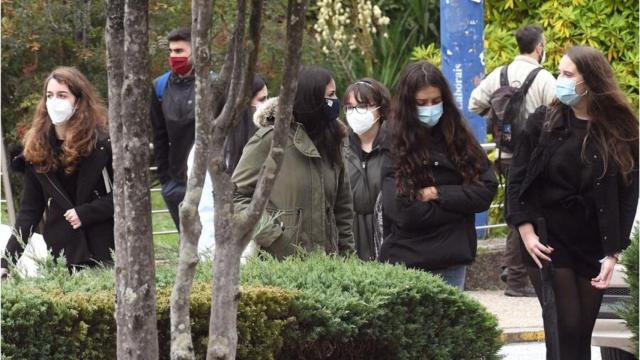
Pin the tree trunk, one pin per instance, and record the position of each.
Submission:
(190, 226)
(114, 38)
(127, 24)
(233, 231)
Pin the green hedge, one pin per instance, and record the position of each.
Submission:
(81, 325)
(349, 309)
(311, 307)
(629, 311)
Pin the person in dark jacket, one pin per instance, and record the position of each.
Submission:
(311, 197)
(577, 169)
(434, 181)
(173, 121)
(366, 104)
(245, 129)
(68, 174)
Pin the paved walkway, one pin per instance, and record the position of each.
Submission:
(520, 318)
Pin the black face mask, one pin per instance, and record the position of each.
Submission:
(332, 109)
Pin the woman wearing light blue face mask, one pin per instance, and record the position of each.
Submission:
(577, 169)
(435, 180)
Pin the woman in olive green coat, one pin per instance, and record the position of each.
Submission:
(311, 198)
(366, 104)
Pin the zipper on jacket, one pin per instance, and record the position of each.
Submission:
(364, 164)
(60, 191)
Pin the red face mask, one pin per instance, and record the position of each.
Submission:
(180, 65)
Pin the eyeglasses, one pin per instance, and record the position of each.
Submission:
(360, 108)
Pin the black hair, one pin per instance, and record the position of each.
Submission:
(181, 34)
(242, 132)
(371, 92)
(409, 136)
(309, 110)
(528, 37)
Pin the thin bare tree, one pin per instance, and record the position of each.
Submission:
(233, 229)
(127, 69)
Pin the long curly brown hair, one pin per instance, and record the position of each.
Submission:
(409, 136)
(614, 126)
(82, 130)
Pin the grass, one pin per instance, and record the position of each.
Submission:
(162, 222)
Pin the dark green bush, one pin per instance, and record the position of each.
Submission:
(629, 312)
(321, 308)
(349, 309)
(52, 324)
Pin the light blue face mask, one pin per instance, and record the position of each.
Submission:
(430, 115)
(566, 91)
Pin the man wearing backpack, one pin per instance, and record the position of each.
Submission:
(173, 120)
(507, 96)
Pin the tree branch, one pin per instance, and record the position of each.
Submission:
(295, 32)
(181, 341)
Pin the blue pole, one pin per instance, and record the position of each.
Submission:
(462, 46)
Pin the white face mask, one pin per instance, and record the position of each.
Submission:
(361, 123)
(59, 110)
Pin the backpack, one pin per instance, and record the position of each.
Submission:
(161, 84)
(506, 110)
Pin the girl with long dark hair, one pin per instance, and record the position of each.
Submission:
(68, 173)
(576, 170)
(311, 198)
(435, 180)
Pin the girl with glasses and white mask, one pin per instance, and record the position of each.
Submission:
(436, 178)
(366, 107)
(577, 168)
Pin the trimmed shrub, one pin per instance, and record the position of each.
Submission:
(51, 324)
(629, 312)
(349, 309)
(306, 307)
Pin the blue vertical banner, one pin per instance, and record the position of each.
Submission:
(462, 49)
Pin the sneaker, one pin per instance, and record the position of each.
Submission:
(504, 274)
(523, 292)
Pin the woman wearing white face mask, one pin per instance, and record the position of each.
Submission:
(68, 173)
(436, 178)
(577, 168)
(366, 106)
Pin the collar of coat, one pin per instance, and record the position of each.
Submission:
(264, 118)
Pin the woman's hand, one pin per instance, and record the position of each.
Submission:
(606, 272)
(532, 243)
(427, 194)
(72, 217)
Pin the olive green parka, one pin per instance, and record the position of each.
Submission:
(311, 198)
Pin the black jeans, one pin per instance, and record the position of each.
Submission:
(517, 277)
(173, 193)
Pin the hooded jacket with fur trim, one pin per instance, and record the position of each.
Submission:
(310, 206)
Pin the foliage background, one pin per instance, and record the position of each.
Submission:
(608, 25)
(38, 36)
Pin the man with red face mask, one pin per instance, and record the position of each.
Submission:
(173, 119)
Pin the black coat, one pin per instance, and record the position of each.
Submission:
(615, 199)
(44, 194)
(173, 122)
(364, 172)
(436, 234)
